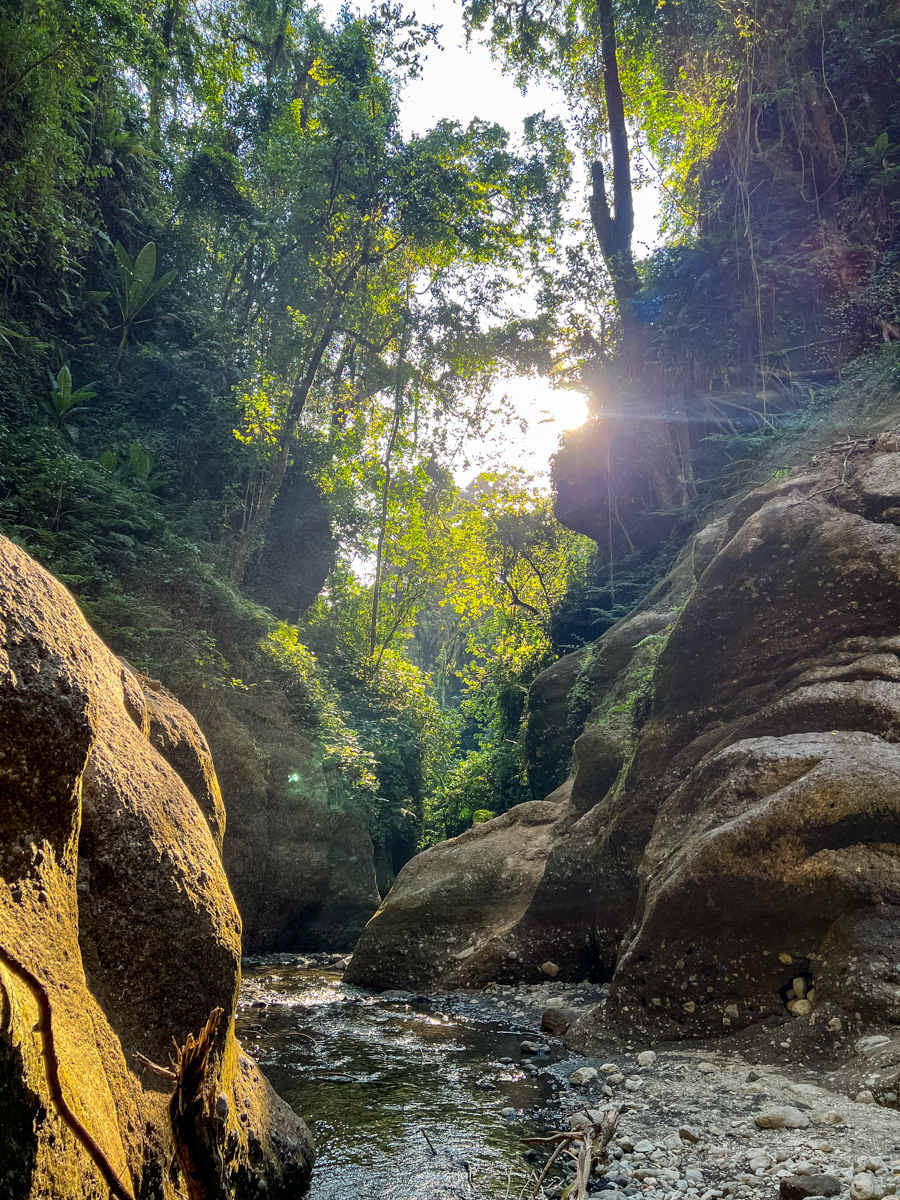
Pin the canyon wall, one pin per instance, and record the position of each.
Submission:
(732, 821)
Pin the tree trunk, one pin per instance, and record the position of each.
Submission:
(278, 463)
(382, 528)
(666, 457)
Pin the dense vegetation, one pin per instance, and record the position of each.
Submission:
(249, 332)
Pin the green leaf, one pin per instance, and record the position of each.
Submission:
(145, 264)
(141, 462)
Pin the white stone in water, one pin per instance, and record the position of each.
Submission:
(866, 1187)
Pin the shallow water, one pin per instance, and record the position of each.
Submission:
(391, 1089)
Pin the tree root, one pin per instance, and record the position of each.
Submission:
(51, 1070)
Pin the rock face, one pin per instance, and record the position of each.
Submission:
(118, 932)
(563, 696)
(297, 852)
(759, 824)
(751, 838)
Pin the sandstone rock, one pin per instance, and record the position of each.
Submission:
(141, 949)
(800, 1187)
(297, 850)
(782, 1117)
(707, 544)
(582, 1076)
(556, 1021)
(790, 713)
(475, 888)
(550, 968)
(178, 738)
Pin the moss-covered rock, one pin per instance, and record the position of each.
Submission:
(117, 926)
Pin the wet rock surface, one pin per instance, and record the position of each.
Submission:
(472, 1071)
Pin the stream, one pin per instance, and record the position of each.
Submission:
(404, 1094)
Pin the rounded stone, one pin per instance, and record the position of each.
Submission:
(866, 1186)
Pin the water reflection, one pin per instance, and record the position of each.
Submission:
(404, 1100)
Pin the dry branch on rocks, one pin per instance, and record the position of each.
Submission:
(587, 1143)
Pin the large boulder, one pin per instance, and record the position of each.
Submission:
(118, 932)
(451, 919)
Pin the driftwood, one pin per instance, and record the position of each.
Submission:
(191, 1071)
(592, 1140)
(50, 1058)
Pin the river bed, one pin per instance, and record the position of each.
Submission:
(404, 1094)
(429, 1097)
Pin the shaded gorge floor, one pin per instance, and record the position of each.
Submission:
(428, 1097)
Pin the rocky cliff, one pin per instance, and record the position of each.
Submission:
(727, 850)
(297, 853)
(118, 931)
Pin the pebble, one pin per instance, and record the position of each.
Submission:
(689, 1133)
(532, 1047)
(646, 1058)
(868, 1045)
(782, 1117)
(509, 1114)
